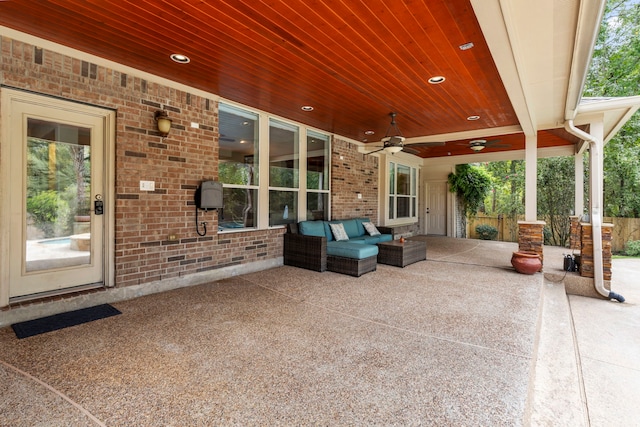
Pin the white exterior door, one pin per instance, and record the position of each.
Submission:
(53, 226)
(436, 208)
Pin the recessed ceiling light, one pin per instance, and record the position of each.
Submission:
(436, 80)
(369, 132)
(179, 58)
(307, 108)
(466, 46)
(471, 118)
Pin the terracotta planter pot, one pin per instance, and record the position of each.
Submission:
(526, 262)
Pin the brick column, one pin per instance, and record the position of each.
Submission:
(531, 237)
(586, 261)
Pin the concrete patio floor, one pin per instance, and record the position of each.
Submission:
(459, 339)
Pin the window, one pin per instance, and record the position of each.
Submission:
(272, 172)
(238, 168)
(403, 198)
(284, 171)
(317, 175)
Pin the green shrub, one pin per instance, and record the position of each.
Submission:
(487, 232)
(46, 209)
(632, 248)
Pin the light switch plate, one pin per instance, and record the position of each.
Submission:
(147, 186)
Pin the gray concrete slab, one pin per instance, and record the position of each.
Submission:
(608, 345)
(458, 339)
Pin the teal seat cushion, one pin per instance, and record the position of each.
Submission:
(362, 240)
(384, 238)
(311, 228)
(351, 250)
(372, 240)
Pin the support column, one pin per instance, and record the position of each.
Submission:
(531, 231)
(596, 165)
(531, 178)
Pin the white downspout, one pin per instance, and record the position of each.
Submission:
(596, 211)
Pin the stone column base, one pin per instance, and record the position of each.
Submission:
(531, 237)
(586, 253)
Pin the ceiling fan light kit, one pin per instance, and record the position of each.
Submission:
(393, 149)
(477, 145)
(393, 144)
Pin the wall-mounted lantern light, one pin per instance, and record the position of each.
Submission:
(163, 121)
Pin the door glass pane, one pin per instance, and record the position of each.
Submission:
(58, 195)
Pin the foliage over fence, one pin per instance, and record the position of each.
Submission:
(624, 229)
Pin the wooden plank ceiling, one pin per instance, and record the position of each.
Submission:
(353, 61)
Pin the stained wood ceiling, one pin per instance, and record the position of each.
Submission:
(353, 61)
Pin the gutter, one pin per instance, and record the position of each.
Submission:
(595, 151)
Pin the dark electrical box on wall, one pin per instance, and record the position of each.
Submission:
(209, 195)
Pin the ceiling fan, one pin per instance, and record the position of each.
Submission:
(393, 144)
(478, 145)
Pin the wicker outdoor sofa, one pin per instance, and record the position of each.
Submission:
(312, 245)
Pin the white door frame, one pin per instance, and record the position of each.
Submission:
(427, 206)
(7, 98)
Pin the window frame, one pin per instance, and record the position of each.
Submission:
(263, 187)
(390, 179)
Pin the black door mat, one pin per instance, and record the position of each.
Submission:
(63, 320)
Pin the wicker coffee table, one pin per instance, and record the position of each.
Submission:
(401, 254)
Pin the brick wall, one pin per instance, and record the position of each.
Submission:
(353, 173)
(145, 220)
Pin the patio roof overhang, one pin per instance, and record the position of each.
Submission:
(519, 66)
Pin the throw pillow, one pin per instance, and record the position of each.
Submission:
(371, 229)
(338, 232)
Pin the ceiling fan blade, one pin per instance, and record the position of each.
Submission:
(410, 150)
(493, 141)
(426, 144)
(375, 151)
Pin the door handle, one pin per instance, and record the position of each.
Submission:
(427, 210)
(98, 205)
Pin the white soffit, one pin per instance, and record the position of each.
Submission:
(534, 44)
(496, 25)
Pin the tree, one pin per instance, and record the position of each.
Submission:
(471, 185)
(615, 71)
(556, 191)
(507, 193)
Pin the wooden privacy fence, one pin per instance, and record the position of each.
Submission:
(624, 229)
